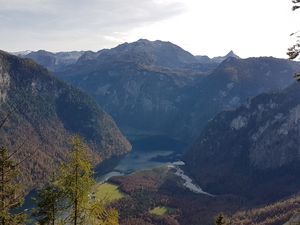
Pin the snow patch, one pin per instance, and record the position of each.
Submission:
(239, 123)
(230, 85)
(104, 89)
(4, 84)
(294, 117)
(235, 101)
(260, 131)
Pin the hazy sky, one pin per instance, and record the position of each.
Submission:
(211, 27)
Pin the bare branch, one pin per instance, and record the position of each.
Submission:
(6, 118)
(27, 157)
(295, 7)
(18, 149)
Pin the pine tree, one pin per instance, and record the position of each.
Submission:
(11, 196)
(220, 220)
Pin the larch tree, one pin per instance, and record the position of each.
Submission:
(221, 220)
(76, 182)
(66, 199)
(11, 196)
(99, 214)
(49, 204)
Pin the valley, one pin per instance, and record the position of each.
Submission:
(149, 112)
(174, 138)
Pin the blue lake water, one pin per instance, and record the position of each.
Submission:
(137, 161)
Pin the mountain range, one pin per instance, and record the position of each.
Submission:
(158, 88)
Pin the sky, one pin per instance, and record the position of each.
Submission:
(202, 27)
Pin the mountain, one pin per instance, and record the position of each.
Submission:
(141, 84)
(233, 82)
(222, 58)
(21, 53)
(144, 52)
(52, 61)
(46, 112)
(157, 55)
(218, 59)
(203, 59)
(253, 150)
(157, 88)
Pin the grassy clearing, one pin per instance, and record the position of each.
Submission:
(108, 192)
(161, 211)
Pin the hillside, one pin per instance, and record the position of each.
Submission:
(46, 112)
(282, 212)
(251, 151)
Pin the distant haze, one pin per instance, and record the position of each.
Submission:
(203, 27)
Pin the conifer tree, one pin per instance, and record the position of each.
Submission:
(99, 214)
(49, 204)
(76, 181)
(11, 196)
(66, 199)
(220, 220)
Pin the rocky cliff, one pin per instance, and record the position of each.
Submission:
(253, 150)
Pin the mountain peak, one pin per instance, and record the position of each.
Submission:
(232, 54)
(144, 52)
(220, 59)
(143, 40)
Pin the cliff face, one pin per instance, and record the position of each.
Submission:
(253, 150)
(232, 83)
(46, 112)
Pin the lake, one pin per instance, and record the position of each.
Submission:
(138, 160)
(145, 156)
